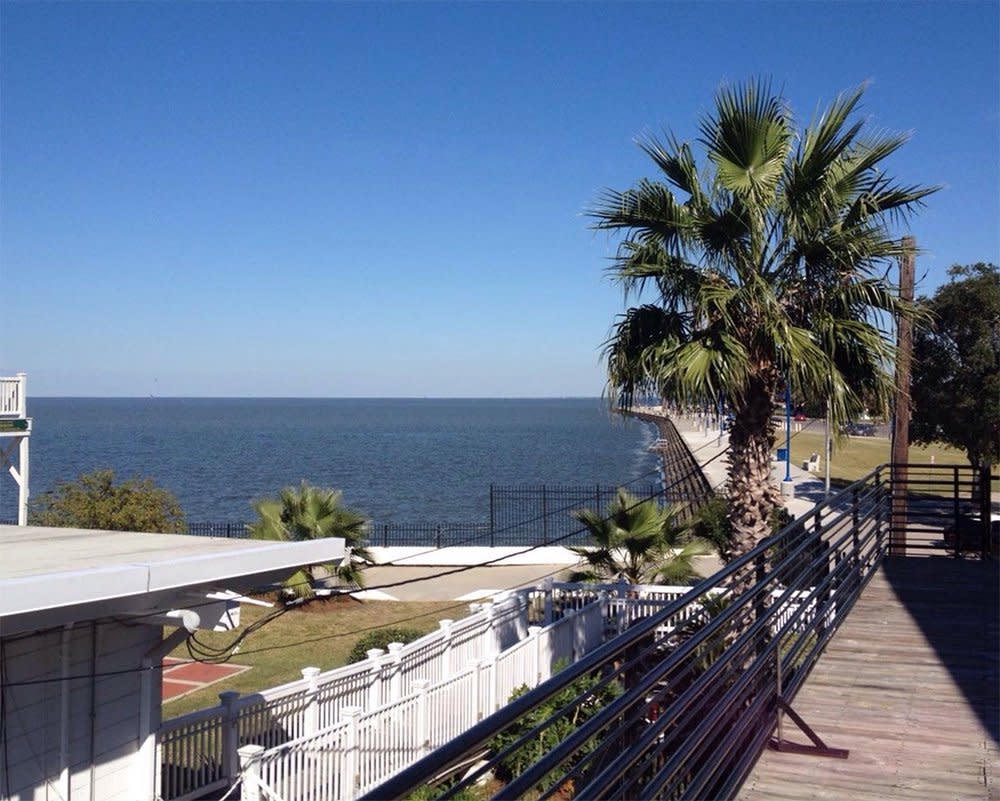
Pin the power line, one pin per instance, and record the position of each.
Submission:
(389, 585)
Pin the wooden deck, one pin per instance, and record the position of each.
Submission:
(910, 685)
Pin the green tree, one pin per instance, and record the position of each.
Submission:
(765, 263)
(312, 513)
(956, 366)
(95, 501)
(639, 542)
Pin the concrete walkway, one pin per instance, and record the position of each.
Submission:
(709, 450)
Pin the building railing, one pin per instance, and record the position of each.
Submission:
(198, 750)
(13, 398)
(546, 624)
(700, 700)
(365, 745)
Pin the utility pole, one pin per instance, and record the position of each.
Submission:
(901, 415)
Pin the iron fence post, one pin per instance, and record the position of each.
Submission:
(985, 510)
(545, 518)
(956, 514)
(493, 520)
(855, 525)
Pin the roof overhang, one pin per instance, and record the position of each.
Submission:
(56, 576)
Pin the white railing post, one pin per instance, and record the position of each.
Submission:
(310, 717)
(477, 687)
(491, 664)
(489, 637)
(395, 671)
(603, 615)
(351, 714)
(250, 770)
(522, 615)
(445, 647)
(230, 734)
(579, 635)
(423, 721)
(375, 678)
(536, 657)
(620, 595)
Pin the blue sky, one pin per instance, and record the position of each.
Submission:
(376, 199)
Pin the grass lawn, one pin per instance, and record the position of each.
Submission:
(855, 457)
(318, 635)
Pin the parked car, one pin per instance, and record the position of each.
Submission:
(860, 429)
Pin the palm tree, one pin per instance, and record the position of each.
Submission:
(639, 542)
(765, 264)
(311, 513)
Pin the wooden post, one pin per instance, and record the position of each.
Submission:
(901, 421)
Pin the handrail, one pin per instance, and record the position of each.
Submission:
(850, 526)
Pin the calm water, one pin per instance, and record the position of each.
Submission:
(405, 460)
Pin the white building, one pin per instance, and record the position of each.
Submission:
(83, 619)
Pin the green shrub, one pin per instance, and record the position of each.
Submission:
(529, 753)
(429, 793)
(380, 639)
(95, 501)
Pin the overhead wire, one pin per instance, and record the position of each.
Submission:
(388, 585)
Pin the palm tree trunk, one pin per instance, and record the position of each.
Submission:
(752, 493)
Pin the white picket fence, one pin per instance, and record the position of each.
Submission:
(365, 747)
(495, 649)
(198, 751)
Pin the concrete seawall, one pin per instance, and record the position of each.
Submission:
(682, 475)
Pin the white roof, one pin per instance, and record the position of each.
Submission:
(50, 576)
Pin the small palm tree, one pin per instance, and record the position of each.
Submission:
(312, 513)
(638, 541)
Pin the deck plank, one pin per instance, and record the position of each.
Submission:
(910, 684)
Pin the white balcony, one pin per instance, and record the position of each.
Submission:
(13, 396)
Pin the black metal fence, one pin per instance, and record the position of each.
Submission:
(523, 515)
(705, 684)
(700, 686)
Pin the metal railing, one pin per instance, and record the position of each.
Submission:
(526, 515)
(940, 507)
(699, 702)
